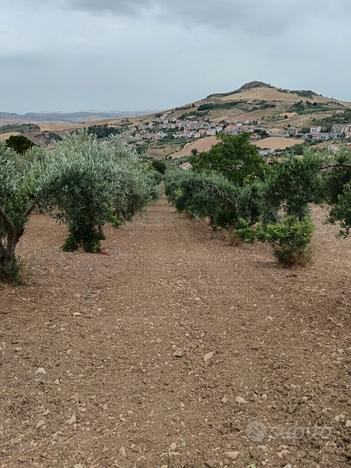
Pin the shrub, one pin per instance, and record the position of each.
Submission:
(19, 143)
(290, 239)
(341, 211)
(19, 184)
(213, 196)
(159, 166)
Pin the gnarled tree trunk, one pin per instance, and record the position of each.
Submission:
(7, 249)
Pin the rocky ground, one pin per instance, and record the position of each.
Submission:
(175, 349)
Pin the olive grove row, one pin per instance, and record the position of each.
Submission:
(236, 189)
(82, 182)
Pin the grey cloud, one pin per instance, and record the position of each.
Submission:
(147, 54)
(250, 14)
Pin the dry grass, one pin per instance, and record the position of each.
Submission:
(270, 94)
(277, 143)
(202, 144)
(5, 136)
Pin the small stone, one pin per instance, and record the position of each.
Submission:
(348, 423)
(173, 447)
(40, 424)
(78, 465)
(289, 465)
(197, 299)
(208, 357)
(72, 420)
(224, 400)
(76, 314)
(240, 400)
(179, 353)
(232, 455)
(283, 453)
(123, 452)
(40, 371)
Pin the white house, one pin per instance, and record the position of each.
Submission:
(315, 130)
(347, 131)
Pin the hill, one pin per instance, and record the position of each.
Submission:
(261, 101)
(280, 112)
(71, 117)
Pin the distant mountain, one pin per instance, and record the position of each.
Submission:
(67, 117)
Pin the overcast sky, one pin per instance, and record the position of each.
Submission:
(73, 55)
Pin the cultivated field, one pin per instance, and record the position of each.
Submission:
(175, 350)
(202, 144)
(277, 143)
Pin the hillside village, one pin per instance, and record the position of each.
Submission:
(276, 120)
(166, 127)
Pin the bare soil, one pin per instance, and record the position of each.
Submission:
(175, 350)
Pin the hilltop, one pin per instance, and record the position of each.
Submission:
(261, 101)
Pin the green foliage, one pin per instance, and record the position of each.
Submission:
(244, 232)
(304, 93)
(341, 211)
(308, 107)
(103, 131)
(290, 239)
(159, 166)
(212, 196)
(343, 117)
(337, 189)
(295, 182)
(20, 128)
(19, 143)
(88, 183)
(233, 157)
(19, 185)
(337, 175)
(218, 105)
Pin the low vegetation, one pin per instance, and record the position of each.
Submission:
(21, 128)
(343, 117)
(19, 143)
(232, 187)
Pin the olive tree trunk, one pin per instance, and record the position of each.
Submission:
(7, 250)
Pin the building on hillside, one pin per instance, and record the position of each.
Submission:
(185, 166)
(266, 152)
(315, 130)
(292, 131)
(211, 132)
(338, 130)
(347, 132)
(278, 132)
(232, 130)
(322, 136)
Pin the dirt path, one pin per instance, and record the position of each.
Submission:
(175, 350)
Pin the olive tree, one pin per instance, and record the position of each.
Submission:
(19, 186)
(88, 183)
